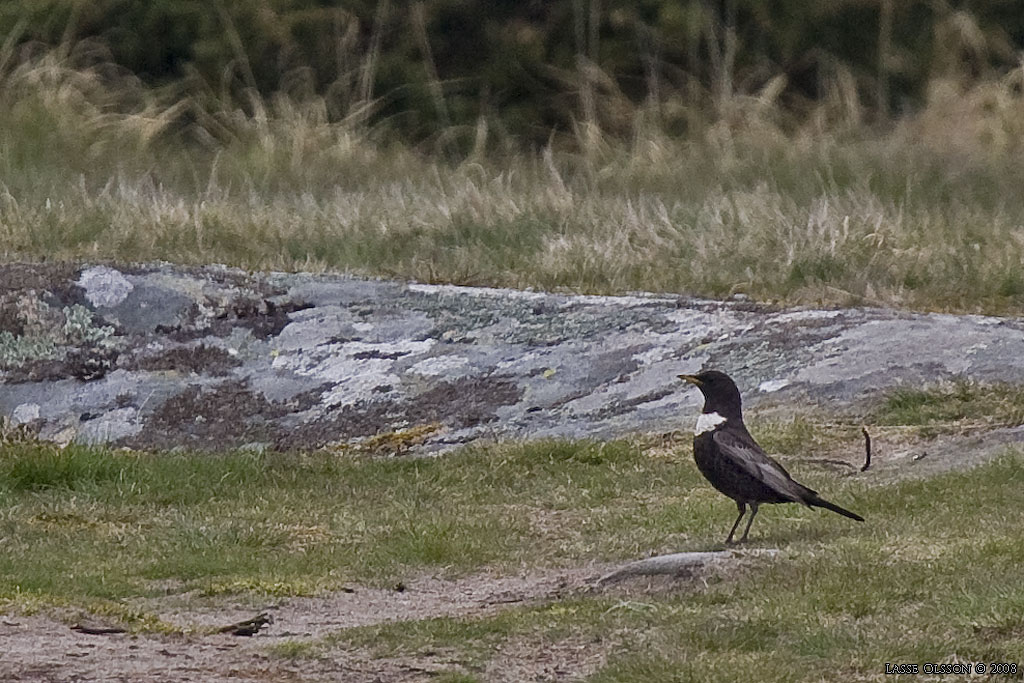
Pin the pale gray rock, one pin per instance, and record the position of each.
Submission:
(211, 358)
(111, 426)
(104, 287)
(683, 564)
(25, 412)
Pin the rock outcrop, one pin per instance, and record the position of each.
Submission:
(161, 356)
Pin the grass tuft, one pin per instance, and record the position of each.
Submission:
(965, 401)
(37, 466)
(295, 649)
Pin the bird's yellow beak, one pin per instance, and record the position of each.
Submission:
(691, 379)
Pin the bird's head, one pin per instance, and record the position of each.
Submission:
(720, 393)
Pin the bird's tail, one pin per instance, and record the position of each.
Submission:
(822, 503)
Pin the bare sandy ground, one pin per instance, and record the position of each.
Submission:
(45, 647)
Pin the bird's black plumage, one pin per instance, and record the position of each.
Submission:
(731, 460)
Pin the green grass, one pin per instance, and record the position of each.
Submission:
(931, 575)
(122, 525)
(294, 649)
(963, 402)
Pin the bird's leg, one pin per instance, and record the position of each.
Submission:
(750, 520)
(743, 510)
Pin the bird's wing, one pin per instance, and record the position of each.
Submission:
(744, 452)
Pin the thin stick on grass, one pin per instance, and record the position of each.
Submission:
(867, 449)
(97, 630)
(249, 627)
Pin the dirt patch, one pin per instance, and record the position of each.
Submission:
(11, 318)
(457, 404)
(45, 648)
(262, 317)
(231, 414)
(57, 279)
(85, 364)
(463, 402)
(535, 659)
(350, 422)
(221, 417)
(197, 359)
(42, 647)
(422, 597)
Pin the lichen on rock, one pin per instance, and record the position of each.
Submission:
(49, 334)
(162, 356)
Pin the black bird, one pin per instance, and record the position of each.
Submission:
(731, 460)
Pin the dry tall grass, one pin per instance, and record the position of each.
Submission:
(927, 215)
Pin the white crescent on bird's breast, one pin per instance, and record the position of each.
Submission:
(706, 422)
